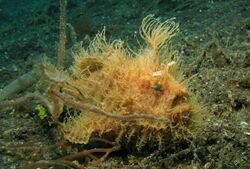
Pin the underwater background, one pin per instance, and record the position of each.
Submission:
(213, 45)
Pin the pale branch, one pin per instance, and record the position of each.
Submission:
(88, 152)
(27, 98)
(93, 139)
(84, 106)
(19, 84)
(46, 163)
(61, 54)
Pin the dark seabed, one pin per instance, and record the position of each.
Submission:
(213, 46)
